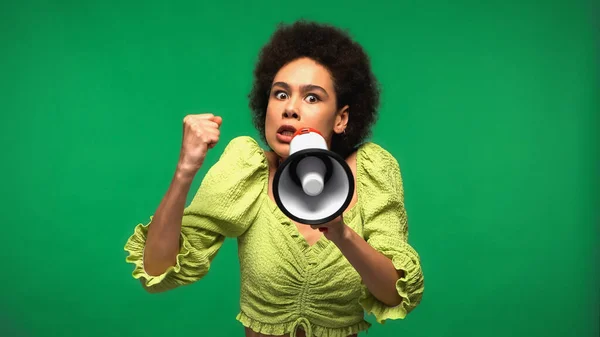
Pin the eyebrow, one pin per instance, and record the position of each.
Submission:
(303, 88)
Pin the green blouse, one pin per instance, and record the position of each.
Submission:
(286, 283)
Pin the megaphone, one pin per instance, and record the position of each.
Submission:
(313, 185)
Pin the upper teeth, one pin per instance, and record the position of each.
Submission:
(287, 133)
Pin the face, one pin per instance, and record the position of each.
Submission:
(302, 95)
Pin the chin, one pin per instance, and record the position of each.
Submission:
(282, 150)
(277, 146)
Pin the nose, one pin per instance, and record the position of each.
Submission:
(291, 110)
(291, 114)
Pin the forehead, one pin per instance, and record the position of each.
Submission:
(304, 71)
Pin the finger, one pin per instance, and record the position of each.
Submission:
(205, 116)
(204, 126)
(210, 137)
(321, 228)
(193, 118)
(212, 132)
(208, 123)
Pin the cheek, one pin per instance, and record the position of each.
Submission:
(323, 119)
(269, 115)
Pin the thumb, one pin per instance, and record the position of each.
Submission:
(218, 120)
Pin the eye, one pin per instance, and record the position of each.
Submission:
(280, 95)
(312, 98)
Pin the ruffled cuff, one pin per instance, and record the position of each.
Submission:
(174, 275)
(409, 287)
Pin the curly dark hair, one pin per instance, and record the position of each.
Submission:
(354, 82)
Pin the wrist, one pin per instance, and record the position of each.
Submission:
(185, 173)
(345, 236)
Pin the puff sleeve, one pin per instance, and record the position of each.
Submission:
(224, 205)
(385, 228)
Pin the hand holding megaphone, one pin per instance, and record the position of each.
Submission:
(313, 185)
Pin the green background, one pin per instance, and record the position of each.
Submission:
(490, 107)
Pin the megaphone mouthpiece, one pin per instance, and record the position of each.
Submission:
(311, 172)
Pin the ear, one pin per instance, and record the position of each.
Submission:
(341, 119)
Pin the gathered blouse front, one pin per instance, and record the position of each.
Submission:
(286, 283)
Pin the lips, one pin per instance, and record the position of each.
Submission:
(286, 130)
(285, 133)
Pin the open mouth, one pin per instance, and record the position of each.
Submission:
(285, 133)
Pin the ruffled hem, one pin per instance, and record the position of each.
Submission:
(406, 286)
(135, 246)
(287, 327)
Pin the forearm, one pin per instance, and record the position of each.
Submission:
(162, 243)
(376, 270)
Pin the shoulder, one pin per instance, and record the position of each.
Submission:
(377, 169)
(233, 187)
(242, 161)
(245, 146)
(242, 151)
(379, 182)
(239, 172)
(374, 156)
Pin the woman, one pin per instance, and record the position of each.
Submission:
(296, 280)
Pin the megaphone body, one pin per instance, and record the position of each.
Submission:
(313, 185)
